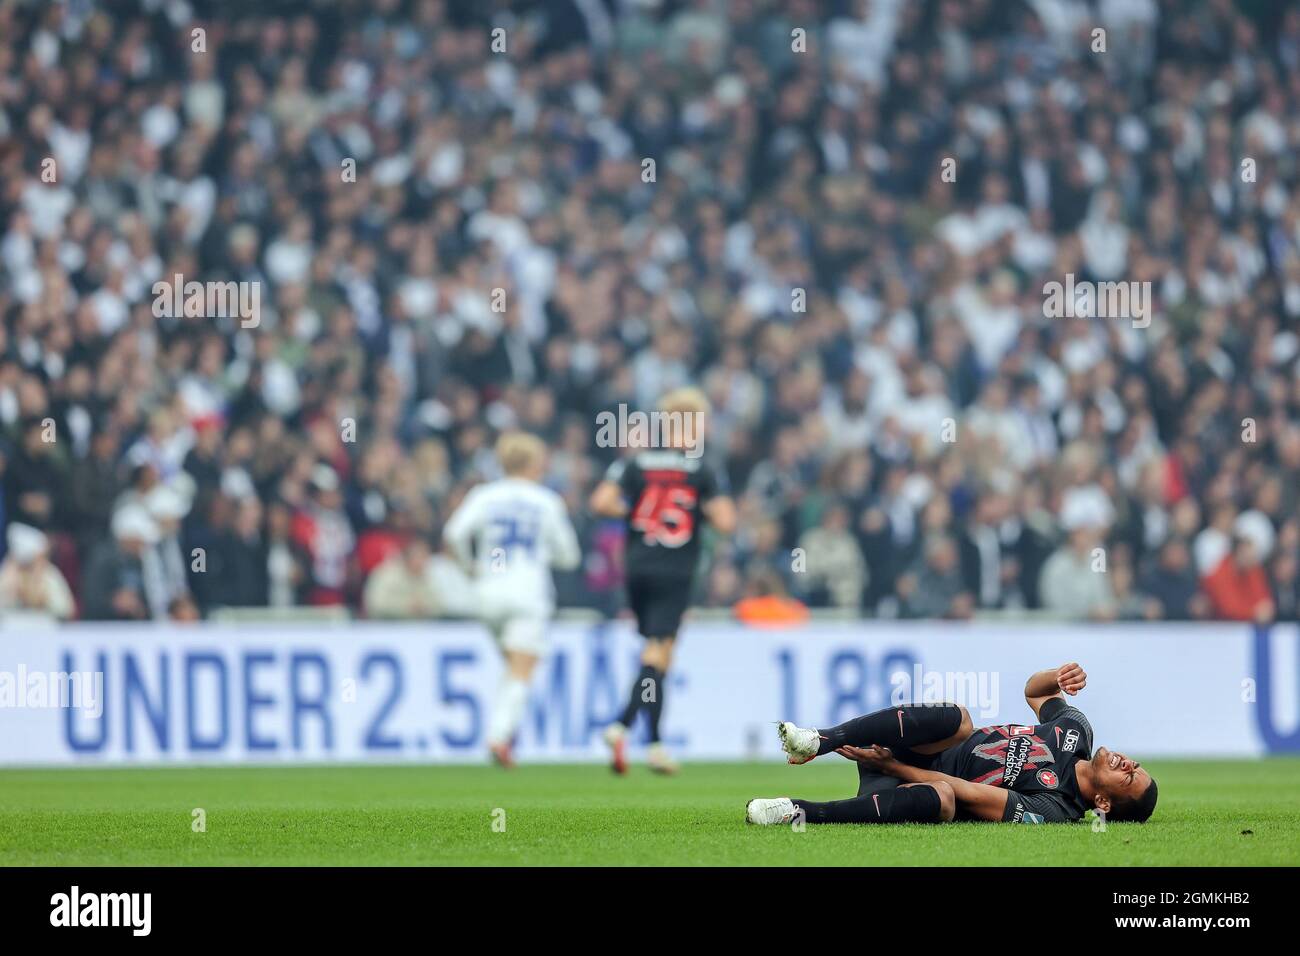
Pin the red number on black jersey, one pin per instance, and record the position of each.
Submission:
(665, 514)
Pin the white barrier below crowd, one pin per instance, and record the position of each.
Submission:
(108, 694)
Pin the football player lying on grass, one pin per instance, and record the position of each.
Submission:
(926, 763)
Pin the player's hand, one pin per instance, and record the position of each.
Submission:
(877, 757)
(1071, 678)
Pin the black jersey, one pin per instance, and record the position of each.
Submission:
(665, 491)
(1035, 763)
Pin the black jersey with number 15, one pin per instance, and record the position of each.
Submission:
(665, 491)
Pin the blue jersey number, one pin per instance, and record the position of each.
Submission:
(515, 531)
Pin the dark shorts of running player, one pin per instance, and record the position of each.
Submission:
(659, 603)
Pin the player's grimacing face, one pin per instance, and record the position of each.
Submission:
(1118, 774)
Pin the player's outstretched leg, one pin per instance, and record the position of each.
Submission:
(912, 803)
(917, 727)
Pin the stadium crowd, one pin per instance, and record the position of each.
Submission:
(845, 236)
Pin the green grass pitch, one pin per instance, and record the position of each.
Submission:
(580, 815)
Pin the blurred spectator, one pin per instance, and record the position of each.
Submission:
(870, 331)
(94, 485)
(766, 604)
(835, 573)
(1284, 579)
(1171, 581)
(988, 564)
(935, 588)
(183, 610)
(758, 548)
(244, 579)
(723, 585)
(1130, 603)
(1074, 581)
(28, 581)
(403, 587)
(288, 578)
(113, 587)
(165, 564)
(34, 477)
(322, 530)
(1238, 588)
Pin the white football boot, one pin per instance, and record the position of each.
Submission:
(799, 743)
(657, 759)
(770, 811)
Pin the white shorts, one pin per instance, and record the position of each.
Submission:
(524, 634)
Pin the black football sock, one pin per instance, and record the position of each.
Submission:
(911, 725)
(655, 705)
(899, 805)
(636, 698)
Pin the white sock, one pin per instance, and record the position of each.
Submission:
(507, 711)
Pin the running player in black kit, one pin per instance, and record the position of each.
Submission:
(664, 493)
(924, 763)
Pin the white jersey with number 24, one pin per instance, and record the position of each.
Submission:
(513, 531)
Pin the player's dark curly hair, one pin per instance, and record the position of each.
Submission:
(1135, 809)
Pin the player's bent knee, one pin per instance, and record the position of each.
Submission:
(945, 734)
(967, 726)
(947, 801)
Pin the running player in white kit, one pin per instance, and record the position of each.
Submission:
(510, 533)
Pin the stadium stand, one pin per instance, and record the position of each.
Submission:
(846, 236)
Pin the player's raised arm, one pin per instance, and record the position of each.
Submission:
(1054, 682)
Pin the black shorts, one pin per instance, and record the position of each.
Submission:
(658, 603)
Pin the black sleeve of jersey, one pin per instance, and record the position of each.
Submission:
(1058, 711)
(709, 483)
(1037, 808)
(1051, 709)
(625, 474)
(1075, 715)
